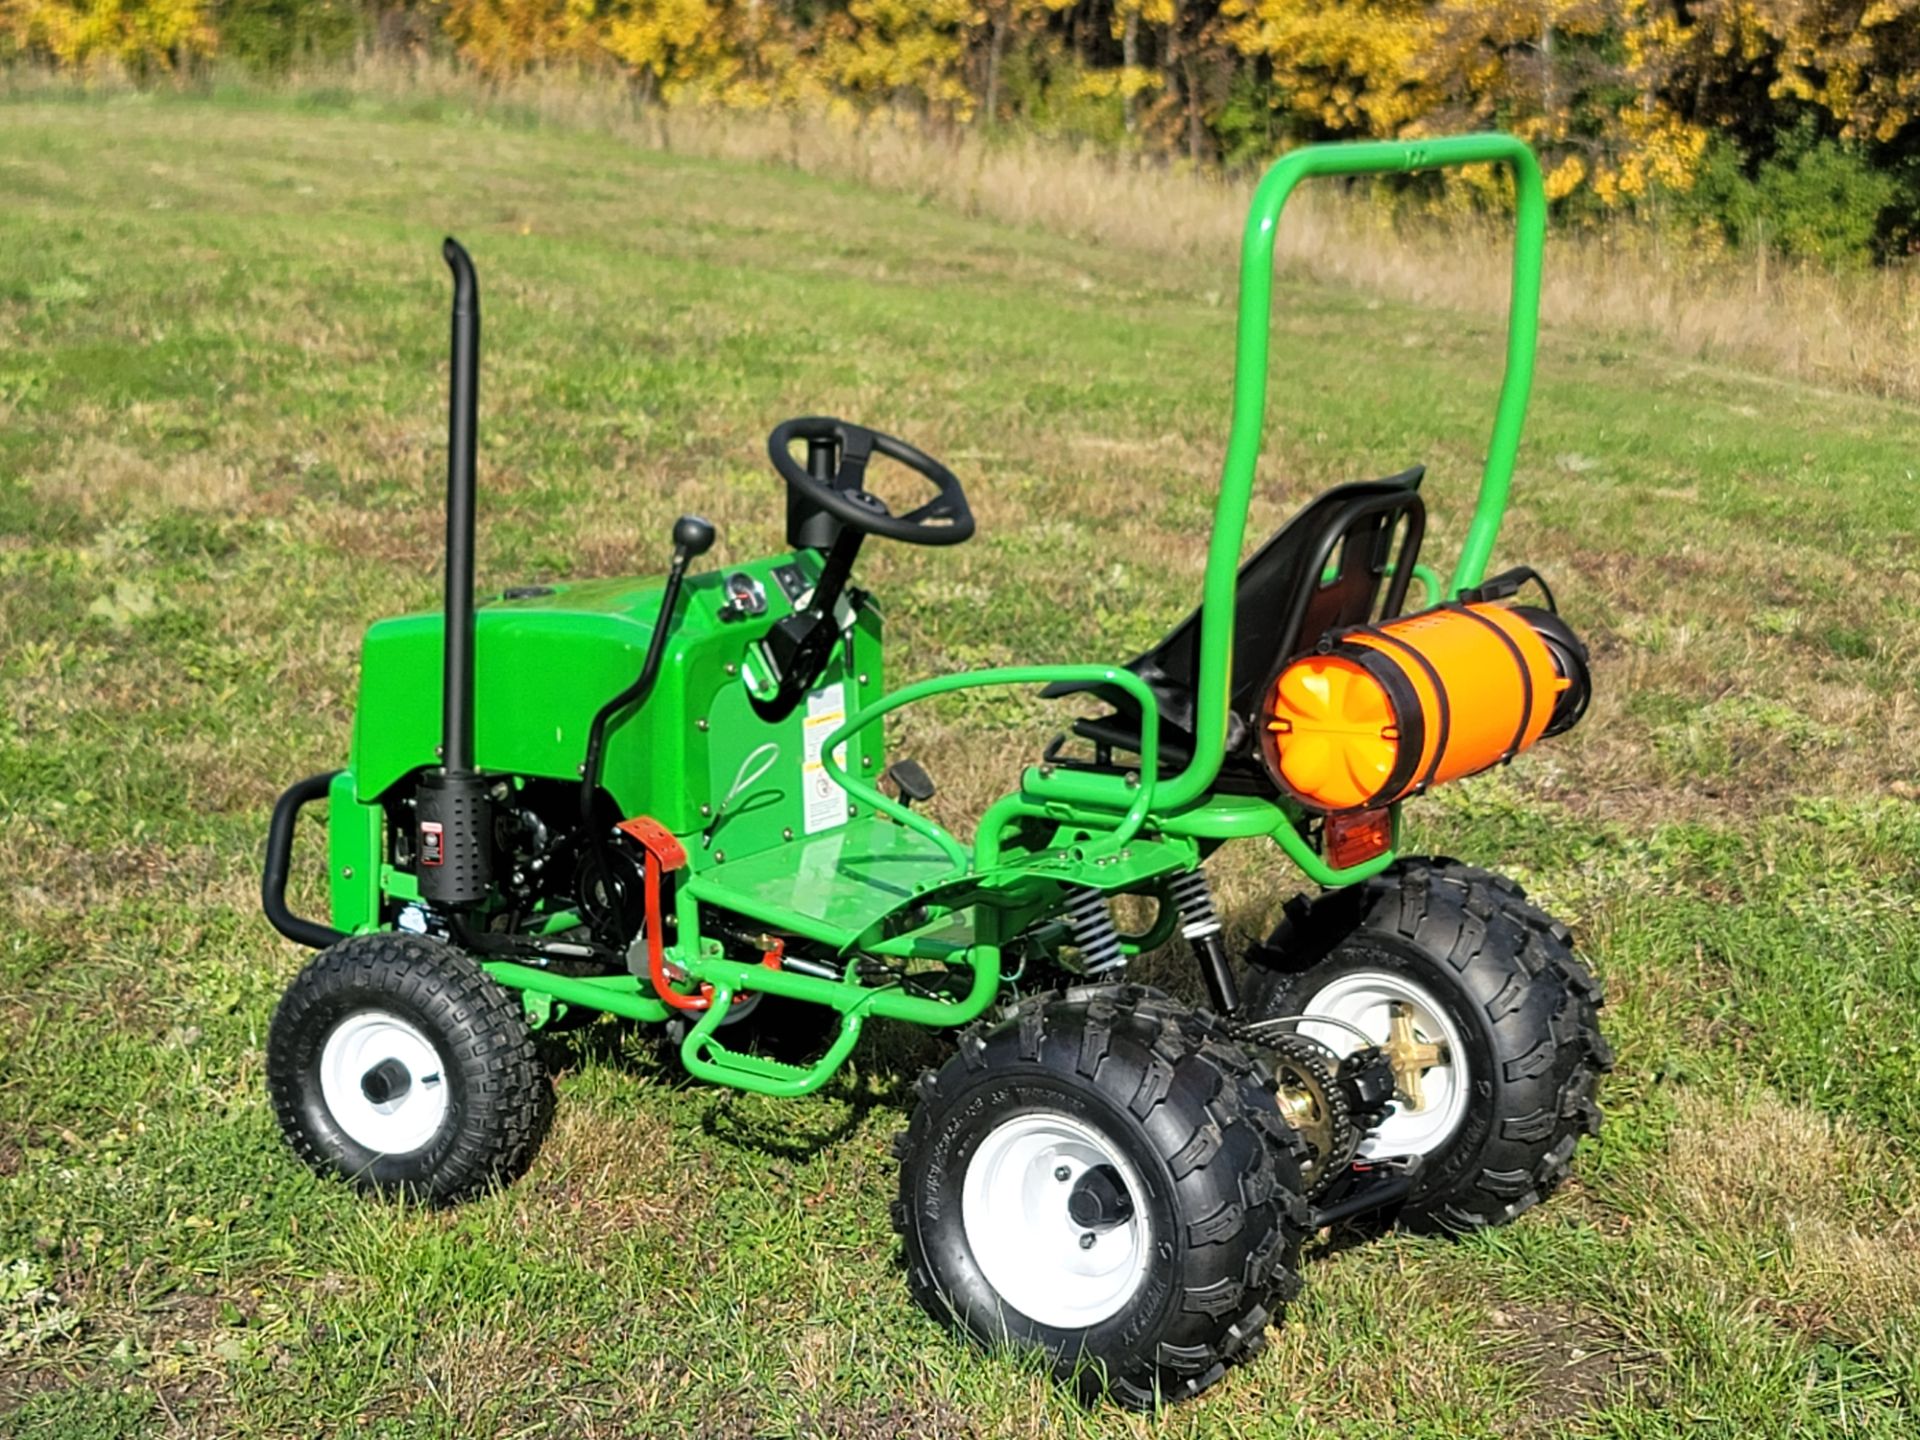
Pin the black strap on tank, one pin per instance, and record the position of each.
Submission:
(1440, 693)
(1409, 718)
(1393, 678)
(1526, 675)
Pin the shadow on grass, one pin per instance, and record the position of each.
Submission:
(878, 1077)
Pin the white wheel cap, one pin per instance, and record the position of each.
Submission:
(383, 1082)
(1365, 1000)
(1013, 1208)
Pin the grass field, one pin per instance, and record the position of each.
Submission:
(221, 332)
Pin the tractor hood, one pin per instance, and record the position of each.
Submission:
(546, 658)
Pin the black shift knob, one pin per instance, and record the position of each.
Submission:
(692, 536)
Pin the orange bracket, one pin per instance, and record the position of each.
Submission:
(657, 841)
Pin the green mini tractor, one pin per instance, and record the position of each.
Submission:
(668, 800)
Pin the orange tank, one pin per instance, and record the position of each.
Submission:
(1382, 712)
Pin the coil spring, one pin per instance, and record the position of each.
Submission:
(1093, 931)
(1194, 896)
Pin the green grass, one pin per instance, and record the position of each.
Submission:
(221, 333)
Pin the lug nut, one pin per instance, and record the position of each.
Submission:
(1062, 1174)
(1086, 1240)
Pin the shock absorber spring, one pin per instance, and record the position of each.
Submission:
(1093, 931)
(1200, 923)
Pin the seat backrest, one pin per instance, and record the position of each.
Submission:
(1321, 571)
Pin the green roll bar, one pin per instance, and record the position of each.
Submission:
(1250, 396)
(1159, 796)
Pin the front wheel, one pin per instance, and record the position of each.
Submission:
(1488, 1019)
(394, 1062)
(1104, 1178)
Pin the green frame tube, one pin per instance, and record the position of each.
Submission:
(1133, 797)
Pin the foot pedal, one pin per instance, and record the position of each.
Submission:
(911, 780)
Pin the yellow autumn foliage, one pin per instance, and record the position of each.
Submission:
(1354, 66)
(504, 36)
(139, 35)
(1622, 98)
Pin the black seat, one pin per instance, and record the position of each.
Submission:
(1323, 570)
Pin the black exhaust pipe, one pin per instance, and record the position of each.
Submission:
(454, 840)
(456, 714)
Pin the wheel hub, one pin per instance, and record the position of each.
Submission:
(1422, 1045)
(386, 1082)
(1051, 1210)
(383, 1082)
(1099, 1199)
(1409, 1056)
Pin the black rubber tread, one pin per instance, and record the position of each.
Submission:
(1197, 1117)
(500, 1100)
(1523, 1000)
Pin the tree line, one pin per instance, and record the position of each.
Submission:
(1789, 124)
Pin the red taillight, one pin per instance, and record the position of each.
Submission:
(1357, 836)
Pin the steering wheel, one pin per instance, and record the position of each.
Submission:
(943, 520)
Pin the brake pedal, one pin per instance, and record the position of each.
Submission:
(911, 780)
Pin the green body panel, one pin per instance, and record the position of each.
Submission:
(784, 825)
(356, 846)
(546, 663)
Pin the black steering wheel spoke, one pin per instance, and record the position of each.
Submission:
(938, 508)
(946, 519)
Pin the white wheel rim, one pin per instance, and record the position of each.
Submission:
(1013, 1207)
(1365, 1000)
(404, 1118)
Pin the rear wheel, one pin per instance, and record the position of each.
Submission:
(1489, 1021)
(397, 1064)
(1105, 1178)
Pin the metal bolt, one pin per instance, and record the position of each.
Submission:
(706, 809)
(863, 678)
(1086, 1240)
(347, 873)
(719, 856)
(787, 834)
(732, 669)
(700, 724)
(1062, 1173)
(852, 810)
(1133, 779)
(1046, 769)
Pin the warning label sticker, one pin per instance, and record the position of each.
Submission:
(826, 802)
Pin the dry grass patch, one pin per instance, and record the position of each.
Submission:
(1817, 1220)
(101, 475)
(1847, 330)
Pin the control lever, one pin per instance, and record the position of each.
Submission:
(692, 538)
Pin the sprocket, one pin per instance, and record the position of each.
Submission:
(1314, 1102)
